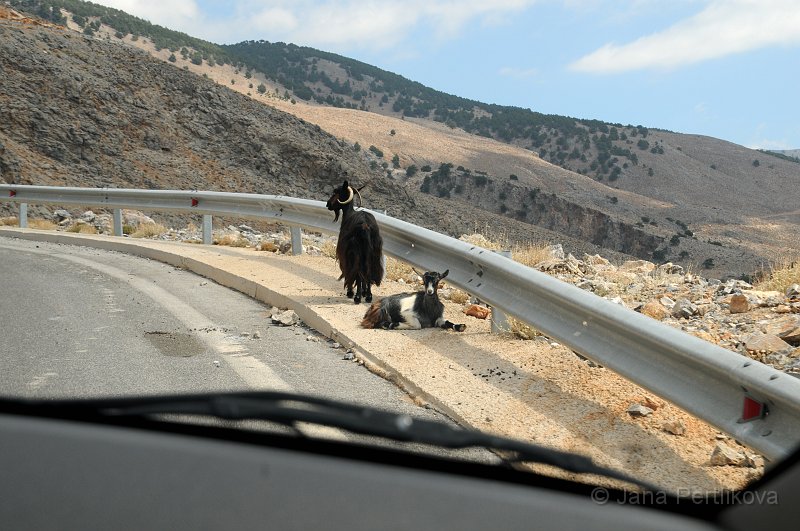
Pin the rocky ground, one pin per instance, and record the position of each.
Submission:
(763, 325)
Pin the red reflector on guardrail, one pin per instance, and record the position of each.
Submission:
(752, 410)
(195, 201)
(12, 193)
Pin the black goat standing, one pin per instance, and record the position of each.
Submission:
(412, 310)
(359, 248)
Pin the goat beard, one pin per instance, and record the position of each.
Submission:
(336, 217)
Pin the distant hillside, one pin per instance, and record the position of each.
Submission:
(586, 146)
(792, 154)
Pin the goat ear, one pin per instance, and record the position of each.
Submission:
(446, 271)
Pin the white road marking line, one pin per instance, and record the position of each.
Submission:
(253, 371)
(41, 380)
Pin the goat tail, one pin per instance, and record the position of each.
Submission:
(374, 317)
(374, 256)
(371, 255)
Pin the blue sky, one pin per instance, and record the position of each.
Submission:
(723, 68)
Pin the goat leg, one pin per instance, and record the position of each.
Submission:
(457, 327)
(368, 295)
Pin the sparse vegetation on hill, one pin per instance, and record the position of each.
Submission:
(590, 147)
(603, 151)
(90, 15)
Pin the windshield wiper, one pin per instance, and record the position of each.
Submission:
(290, 409)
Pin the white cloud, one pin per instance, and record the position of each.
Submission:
(723, 28)
(275, 19)
(772, 145)
(375, 24)
(759, 141)
(379, 24)
(326, 24)
(174, 14)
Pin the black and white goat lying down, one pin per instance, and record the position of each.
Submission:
(422, 309)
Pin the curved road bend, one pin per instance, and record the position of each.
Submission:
(84, 322)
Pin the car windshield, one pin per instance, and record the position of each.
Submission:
(184, 209)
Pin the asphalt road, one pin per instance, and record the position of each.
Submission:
(80, 322)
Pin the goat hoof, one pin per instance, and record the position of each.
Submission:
(460, 327)
(368, 298)
(357, 300)
(349, 294)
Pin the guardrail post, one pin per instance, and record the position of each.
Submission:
(383, 256)
(117, 222)
(23, 215)
(297, 240)
(500, 322)
(207, 236)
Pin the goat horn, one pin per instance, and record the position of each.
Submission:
(348, 199)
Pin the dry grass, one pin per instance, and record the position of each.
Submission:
(232, 240)
(522, 330)
(459, 296)
(267, 246)
(395, 269)
(10, 221)
(42, 224)
(328, 248)
(149, 230)
(782, 273)
(531, 254)
(82, 228)
(528, 254)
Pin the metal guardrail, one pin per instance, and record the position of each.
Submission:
(750, 401)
